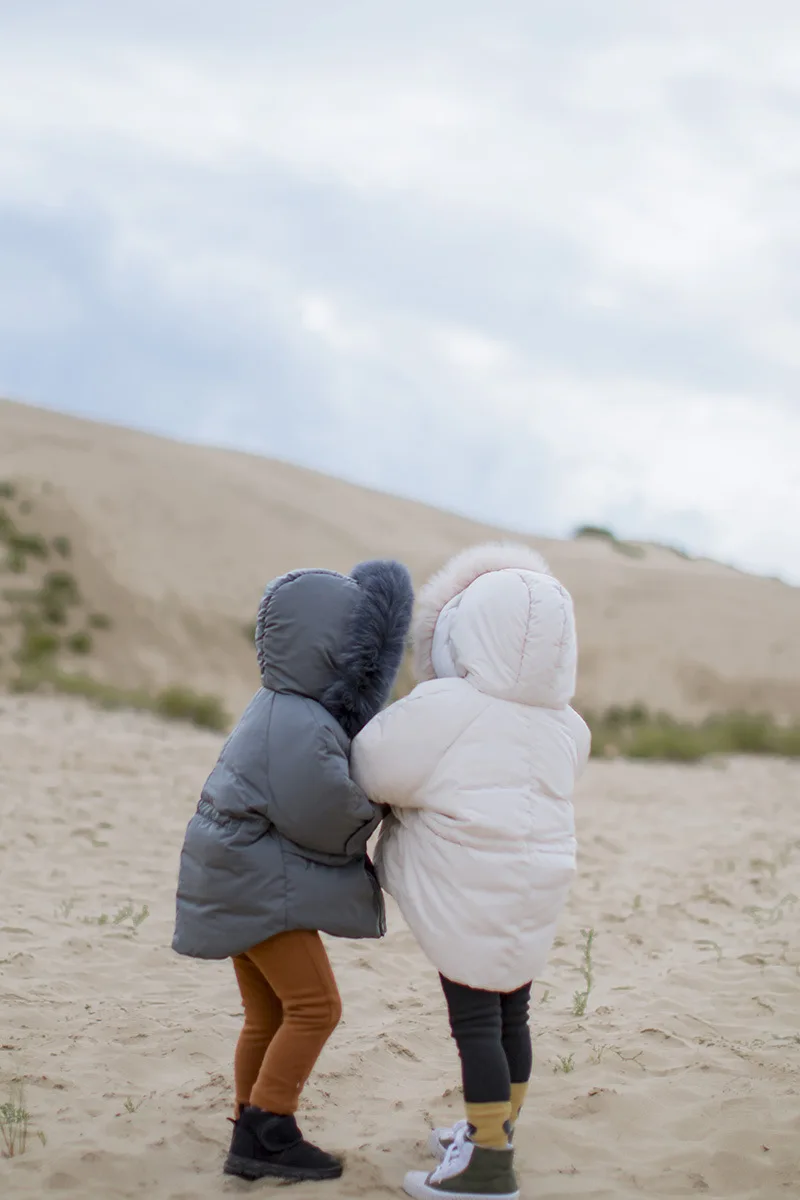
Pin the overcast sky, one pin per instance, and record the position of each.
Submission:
(537, 262)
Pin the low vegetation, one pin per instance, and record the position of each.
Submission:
(636, 733)
(15, 1125)
(49, 633)
(43, 615)
(631, 549)
(600, 533)
(580, 999)
(184, 704)
(173, 704)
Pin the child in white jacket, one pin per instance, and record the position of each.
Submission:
(478, 765)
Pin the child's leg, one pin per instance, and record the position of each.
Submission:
(262, 1018)
(477, 1027)
(298, 971)
(517, 1044)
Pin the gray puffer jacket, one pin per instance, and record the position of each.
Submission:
(279, 838)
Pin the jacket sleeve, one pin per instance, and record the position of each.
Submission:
(325, 810)
(583, 741)
(398, 750)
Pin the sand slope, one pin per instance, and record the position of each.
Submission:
(686, 1074)
(177, 541)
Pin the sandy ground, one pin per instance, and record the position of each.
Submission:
(683, 1076)
(176, 542)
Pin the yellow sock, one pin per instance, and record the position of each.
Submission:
(489, 1122)
(518, 1093)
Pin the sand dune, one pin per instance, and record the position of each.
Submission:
(682, 1078)
(176, 542)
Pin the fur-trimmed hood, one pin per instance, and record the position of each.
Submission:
(337, 639)
(453, 579)
(496, 617)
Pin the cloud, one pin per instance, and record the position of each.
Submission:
(527, 261)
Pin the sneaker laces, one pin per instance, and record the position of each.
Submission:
(460, 1135)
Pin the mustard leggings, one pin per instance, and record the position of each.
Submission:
(291, 1008)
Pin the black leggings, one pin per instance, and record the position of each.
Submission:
(493, 1038)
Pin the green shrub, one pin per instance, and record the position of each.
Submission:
(634, 733)
(183, 704)
(595, 531)
(7, 490)
(62, 546)
(102, 694)
(741, 733)
(80, 642)
(607, 535)
(7, 527)
(618, 717)
(61, 587)
(16, 563)
(668, 743)
(53, 612)
(99, 621)
(175, 704)
(32, 545)
(38, 645)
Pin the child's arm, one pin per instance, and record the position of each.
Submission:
(324, 809)
(583, 740)
(398, 750)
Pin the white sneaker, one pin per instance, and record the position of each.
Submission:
(441, 1139)
(482, 1174)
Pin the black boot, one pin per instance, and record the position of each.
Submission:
(266, 1144)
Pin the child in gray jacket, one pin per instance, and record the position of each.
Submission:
(277, 849)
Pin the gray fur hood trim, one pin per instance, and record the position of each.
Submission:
(363, 654)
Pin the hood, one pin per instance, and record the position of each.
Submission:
(497, 617)
(337, 639)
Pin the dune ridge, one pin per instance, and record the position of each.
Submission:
(176, 541)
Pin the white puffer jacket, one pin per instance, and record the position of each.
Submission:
(479, 765)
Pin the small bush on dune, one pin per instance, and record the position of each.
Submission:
(58, 594)
(53, 612)
(747, 733)
(7, 527)
(61, 586)
(15, 1124)
(595, 531)
(15, 562)
(174, 704)
(601, 533)
(183, 704)
(38, 645)
(670, 743)
(619, 717)
(31, 545)
(80, 642)
(634, 733)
